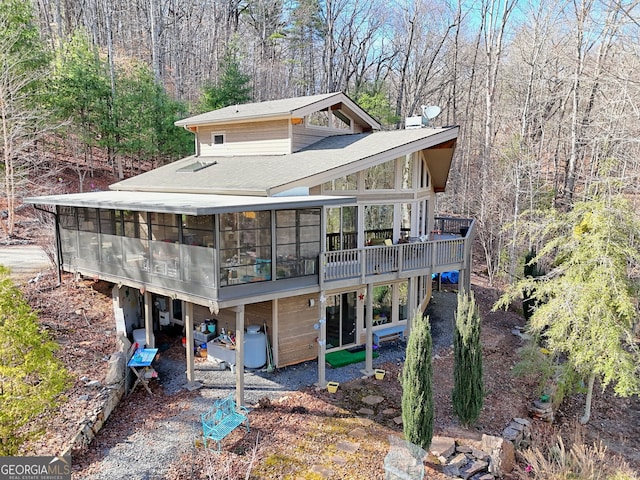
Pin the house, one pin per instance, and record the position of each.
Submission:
(298, 214)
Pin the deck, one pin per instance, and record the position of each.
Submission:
(441, 253)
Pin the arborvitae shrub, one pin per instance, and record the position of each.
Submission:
(467, 371)
(416, 379)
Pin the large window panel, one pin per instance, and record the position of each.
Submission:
(88, 234)
(342, 228)
(68, 233)
(297, 242)
(378, 223)
(198, 230)
(380, 177)
(111, 236)
(245, 250)
(342, 184)
(407, 171)
(136, 240)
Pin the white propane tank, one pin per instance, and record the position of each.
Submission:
(255, 347)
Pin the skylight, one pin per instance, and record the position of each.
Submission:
(196, 166)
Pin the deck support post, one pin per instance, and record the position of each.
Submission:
(368, 369)
(150, 338)
(188, 327)
(322, 340)
(239, 354)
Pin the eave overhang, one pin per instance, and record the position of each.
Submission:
(184, 203)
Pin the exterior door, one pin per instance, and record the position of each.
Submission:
(341, 320)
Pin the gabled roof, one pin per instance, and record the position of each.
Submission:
(330, 158)
(296, 107)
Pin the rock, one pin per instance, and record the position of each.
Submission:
(542, 405)
(458, 461)
(522, 421)
(502, 453)
(365, 422)
(513, 435)
(93, 384)
(480, 454)
(442, 446)
(365, 411)
(358, 433)
(83, 398)
(116, 369)
(397, 420)
(348, 447)
(516, 426)
(321, 471)
(472, 468)
(372, 399)
(463, 449)
(451, 471)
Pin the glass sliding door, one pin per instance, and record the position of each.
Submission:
(341, 320)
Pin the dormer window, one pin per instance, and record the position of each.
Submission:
(217, 139)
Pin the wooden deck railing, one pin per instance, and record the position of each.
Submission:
(447, 250)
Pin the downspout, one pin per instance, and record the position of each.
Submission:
(58, 243)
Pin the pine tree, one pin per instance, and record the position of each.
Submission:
(416, 379)
(31, 377)
(587, 304)
(467, 370)
(531, 270)
(232, 87)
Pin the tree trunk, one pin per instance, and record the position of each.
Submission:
(587, 405)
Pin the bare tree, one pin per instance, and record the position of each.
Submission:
(22, 122)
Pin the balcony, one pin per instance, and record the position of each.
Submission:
(447, 248)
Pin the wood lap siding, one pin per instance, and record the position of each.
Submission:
(303, 136)
(264, 138)
(295, 330)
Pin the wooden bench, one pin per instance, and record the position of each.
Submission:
(383, 333)
(222, 418)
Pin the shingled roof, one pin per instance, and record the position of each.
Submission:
(268, 175)
(296, 107)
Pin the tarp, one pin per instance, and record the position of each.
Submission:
(447, 277)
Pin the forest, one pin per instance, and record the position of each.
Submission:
(546, 93)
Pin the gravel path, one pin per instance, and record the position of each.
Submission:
(148, 454)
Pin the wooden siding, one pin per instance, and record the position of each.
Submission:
(304, 136)
(257, 138)
(296, 335)
(254, 314)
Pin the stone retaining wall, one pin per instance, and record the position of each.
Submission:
(111, 393)
(486, 459)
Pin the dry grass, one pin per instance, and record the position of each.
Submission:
(557, 461)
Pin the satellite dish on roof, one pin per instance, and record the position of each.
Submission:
(429, 113)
